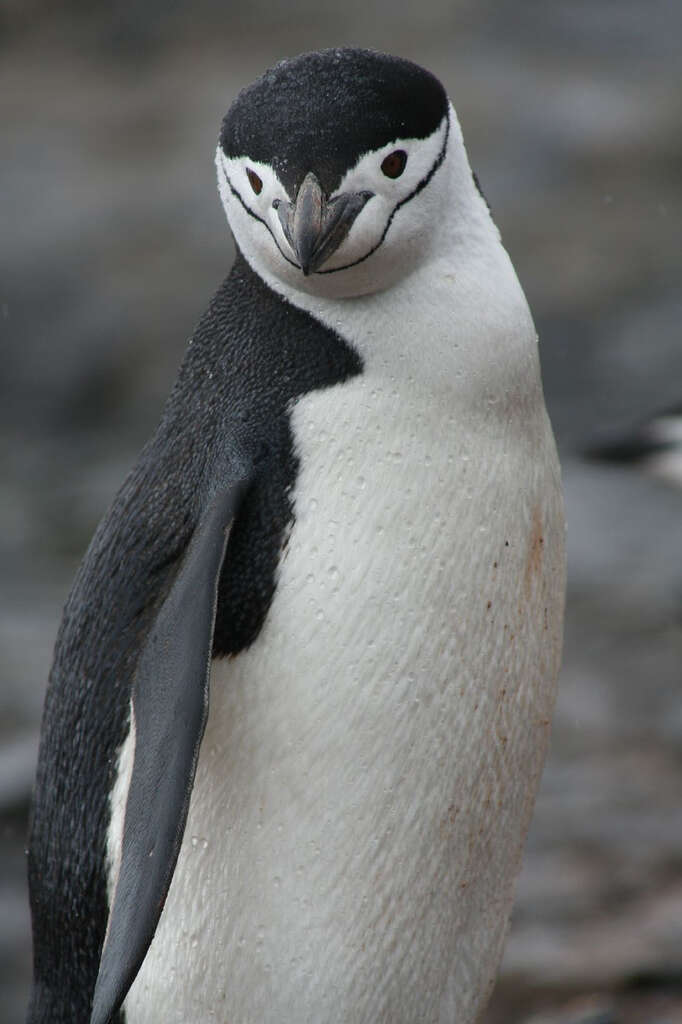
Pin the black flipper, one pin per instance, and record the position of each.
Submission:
(170, 707)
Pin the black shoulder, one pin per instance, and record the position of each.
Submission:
(265, 354)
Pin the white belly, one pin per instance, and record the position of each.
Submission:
(370, 764)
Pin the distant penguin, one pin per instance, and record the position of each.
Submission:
(302, 689)
(654, 446)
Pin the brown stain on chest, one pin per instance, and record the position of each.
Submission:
(534, 555)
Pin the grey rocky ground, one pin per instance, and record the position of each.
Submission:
(112, 239)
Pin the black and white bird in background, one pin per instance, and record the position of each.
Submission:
(654, 446)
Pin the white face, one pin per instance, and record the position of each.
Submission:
(389, 236)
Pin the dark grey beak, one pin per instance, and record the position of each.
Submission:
(313, 226)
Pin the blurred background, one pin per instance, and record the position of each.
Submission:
(112, 240)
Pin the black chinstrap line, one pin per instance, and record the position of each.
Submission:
(255, 216)
(416, 190)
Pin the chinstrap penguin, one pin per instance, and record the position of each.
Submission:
(302, 688)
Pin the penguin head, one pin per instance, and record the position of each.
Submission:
(328, 168)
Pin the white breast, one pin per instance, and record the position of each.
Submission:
(370, 764)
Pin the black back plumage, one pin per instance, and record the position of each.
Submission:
(251, 356)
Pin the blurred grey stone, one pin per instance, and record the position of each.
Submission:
(17, 770)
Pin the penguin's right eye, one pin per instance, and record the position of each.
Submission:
(254, 181)
(394, 164)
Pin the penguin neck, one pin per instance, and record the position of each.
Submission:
(458, 320)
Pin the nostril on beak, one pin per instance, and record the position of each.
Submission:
(285, 213)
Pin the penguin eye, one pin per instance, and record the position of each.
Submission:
(393, 165)
(254, 181)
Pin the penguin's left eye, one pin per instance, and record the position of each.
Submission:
(393, 165)
(254, 181)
